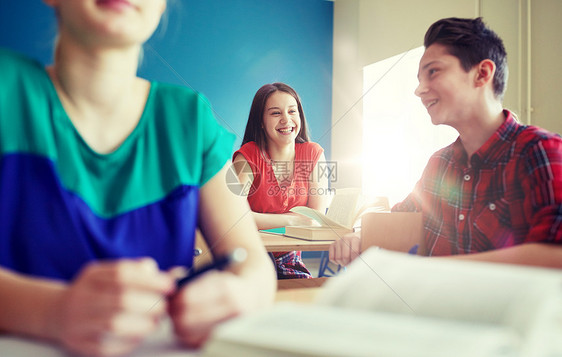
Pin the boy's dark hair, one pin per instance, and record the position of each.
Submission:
(471, 41)
(254, 127)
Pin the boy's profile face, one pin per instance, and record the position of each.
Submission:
(445, 88)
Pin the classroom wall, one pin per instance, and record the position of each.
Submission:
(367, 31)
(224, 49)
(545, 66)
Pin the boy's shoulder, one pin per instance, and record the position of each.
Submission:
(532, 140)
(532, 132)
(537, 146)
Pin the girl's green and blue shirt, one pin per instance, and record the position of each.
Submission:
(63, 205)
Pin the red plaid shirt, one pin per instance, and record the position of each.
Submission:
(510, 194)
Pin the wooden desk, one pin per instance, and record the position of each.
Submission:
(299, 290)
(279, 243)
(287, 284)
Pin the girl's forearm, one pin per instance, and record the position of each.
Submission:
(29, 306)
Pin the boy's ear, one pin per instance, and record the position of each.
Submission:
(485, 71)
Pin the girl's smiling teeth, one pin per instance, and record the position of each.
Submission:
(286, 130)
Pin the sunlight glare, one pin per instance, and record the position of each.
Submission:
(398, 137)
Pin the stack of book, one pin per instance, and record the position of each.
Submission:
(346, 208)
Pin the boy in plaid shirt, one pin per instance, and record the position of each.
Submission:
(495, 194)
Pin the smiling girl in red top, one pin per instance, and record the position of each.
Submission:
(278, 164)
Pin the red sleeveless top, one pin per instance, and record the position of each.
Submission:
(267, 194)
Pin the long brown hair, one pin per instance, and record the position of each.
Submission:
(254, 127)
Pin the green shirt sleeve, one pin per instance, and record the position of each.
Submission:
(217, 143)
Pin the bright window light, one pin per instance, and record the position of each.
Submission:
(398, 137)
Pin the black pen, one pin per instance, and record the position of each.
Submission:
(238, 255)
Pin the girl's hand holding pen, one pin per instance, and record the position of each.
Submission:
(211, 296)
(111, 307)
(237, 256)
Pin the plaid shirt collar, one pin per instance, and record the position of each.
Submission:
(489, 153)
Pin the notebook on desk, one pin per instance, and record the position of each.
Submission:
(394, 304)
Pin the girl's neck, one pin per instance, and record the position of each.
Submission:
(281, 153)
(92, 76)
(100, 91)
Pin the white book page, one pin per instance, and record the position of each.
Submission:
(341, 213)
(343, 208)
(322, 219)
(393, 282)
(316, 330)
(393, 304)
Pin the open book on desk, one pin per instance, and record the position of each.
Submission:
(394, 304)
(345, 209)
